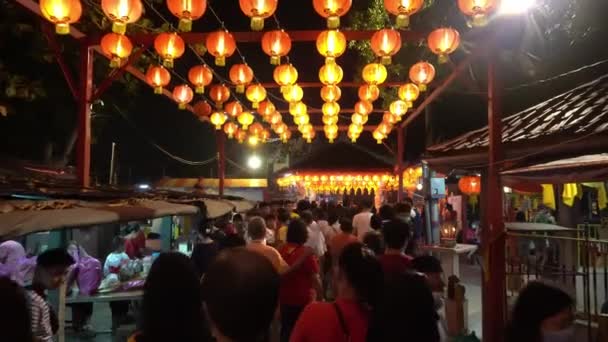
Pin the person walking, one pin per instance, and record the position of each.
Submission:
(396, 234)
(362, 221)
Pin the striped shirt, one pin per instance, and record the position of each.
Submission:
(41, 318)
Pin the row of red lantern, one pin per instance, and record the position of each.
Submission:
(62, 13)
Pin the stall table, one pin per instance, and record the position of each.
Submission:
(450, 256)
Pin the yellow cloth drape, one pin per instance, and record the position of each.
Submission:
(549, 196)
(571, 192)
(602, 197)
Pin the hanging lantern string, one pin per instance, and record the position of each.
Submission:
(221, 22)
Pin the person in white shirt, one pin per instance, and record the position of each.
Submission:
(362, 221)
(316, 240)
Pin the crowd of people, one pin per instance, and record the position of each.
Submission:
(311, 273)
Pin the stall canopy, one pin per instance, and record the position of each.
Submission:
(558, 128)
(25, 217)
(586, 168)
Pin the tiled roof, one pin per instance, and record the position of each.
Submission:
(574, 114)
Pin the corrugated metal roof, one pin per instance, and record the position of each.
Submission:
(576, 113)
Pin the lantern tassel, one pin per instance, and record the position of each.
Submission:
(255, 105)
(422, 87)
(442, 59)
(218, 127)
(257, 24)
(158, 90)
(199, 90)
(275, 60)
(119, 27)
(181, 106)
(240, 88)
(185, 25)
(333, 22)
(403, 21)
(220, 61)
(479, 20)
(115, 62)
(386, 60)
(62, 29)
(168, 63)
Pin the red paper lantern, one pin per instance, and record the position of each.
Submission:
(117, 47)
(158, 77)
(331, 93)
(386, 43)
(230, 128)
(186, 11)
(233, 109)
(470, 185)
(369, 92)
(220, 44)
(364, 107)
(422, 73)
(169, 46)
(478, 10)
(266, 109)
(62, 13)
(285, 75)
(403, 9)
(202, 109)
(332, 10)
(182, 94)
(276, 44)
(258, 10)
(220, 94)
(121, 13)
(442, 42)
(256, 94)
(241, 75)
(200, 76)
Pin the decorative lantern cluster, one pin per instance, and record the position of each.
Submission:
(340, 182)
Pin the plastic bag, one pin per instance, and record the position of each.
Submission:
(89, 275)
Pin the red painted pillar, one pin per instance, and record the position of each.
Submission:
(493, 238)
(399, 166)
(221, 161)
(83, 144)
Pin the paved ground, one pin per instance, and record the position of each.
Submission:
(470, 274)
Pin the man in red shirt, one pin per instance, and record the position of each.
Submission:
(396, 233)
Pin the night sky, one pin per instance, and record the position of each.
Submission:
(152, 120)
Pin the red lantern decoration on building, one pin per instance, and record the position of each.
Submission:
(266, 109)
(233, 109)
(230, 128)
(386, 43)
(220, 44)
(403, 9)
(332, 10)
(169, 46)
(200, 76)
(220, 94)
(121, 13)
(364, 107)
(62, 13)
(331, 93)
(470, 185)
(422, 73)
(478, 10)
(276, 44)
(241, 75)
(202, 109)
(256, 93)
(182, 94)
(117, 47)
(369, 92)
(187, 11)
(442, 42)
(240, 135)
(218, 119)
(258, 10)
(331, 44)
(158, 77)
(285, 75)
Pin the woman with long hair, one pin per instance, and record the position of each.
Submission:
(172, 304)
(358, 280)
(542, 313)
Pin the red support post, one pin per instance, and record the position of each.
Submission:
(51, 38)
(493, 235)
(114, 75)
(221, 161)
(83, 144)
(399, 166)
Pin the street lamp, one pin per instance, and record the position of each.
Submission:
(254, 162)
